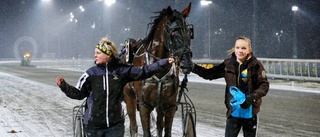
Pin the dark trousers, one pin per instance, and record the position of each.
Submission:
(249, 126)
(114, 131)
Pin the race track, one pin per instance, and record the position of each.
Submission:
(37, 100)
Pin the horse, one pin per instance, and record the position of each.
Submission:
(169, 36)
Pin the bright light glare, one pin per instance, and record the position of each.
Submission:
(81, 8)
(27, 55)
(93, 25)
(294, 8)
(109, 2)
(46, 0)
(71, 15)
(279, 33)
(205, 2)
(127, 29)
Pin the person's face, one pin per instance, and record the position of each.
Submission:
(100, 57)
(242, 50)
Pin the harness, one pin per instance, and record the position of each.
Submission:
(172, 35)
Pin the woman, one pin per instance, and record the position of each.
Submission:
(244, 72)
(102, 85)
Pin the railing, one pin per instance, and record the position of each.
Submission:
(295, 69)
(290, 69)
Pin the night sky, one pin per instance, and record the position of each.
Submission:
(49, 26)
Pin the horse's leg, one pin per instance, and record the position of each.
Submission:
(171, 107)
(145, 120)
(153, 122)
(160, 122)
(131, 103)
(169, 121)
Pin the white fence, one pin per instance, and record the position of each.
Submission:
(296, 69)
(290, 69)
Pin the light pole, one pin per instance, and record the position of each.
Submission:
(93, 26)
(108, 3)
(208, 3)
(76, 20)
(127, 31)
(73, 29)
(294, 48)
(279, 35)
(46, 3)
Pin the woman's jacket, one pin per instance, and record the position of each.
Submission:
(102, 85)
(256, 83)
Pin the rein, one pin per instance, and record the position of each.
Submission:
(183, 86)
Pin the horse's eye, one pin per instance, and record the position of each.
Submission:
(190, 28)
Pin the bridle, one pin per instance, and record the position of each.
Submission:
(177, 34)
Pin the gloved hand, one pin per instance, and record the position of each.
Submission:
(195, 68)
(248, 102)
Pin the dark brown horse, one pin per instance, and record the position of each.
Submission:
(169, 36)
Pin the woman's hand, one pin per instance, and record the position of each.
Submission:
(171, 60)
(59, 80)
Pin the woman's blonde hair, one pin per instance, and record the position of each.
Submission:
(109, 45)
(231, 51)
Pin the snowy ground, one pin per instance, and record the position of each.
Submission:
(29, 108)
(33, 109)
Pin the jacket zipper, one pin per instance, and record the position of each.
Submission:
(106, 88)
(239, 73)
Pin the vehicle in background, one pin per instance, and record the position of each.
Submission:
(26, 60)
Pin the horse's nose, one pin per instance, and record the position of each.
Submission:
(185, 69)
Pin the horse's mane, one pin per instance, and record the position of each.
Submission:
(156, 21)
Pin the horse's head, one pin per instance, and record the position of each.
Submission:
(180, 33)
(175, 34)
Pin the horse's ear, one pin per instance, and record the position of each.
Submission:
(169, 10)
(186, 11)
